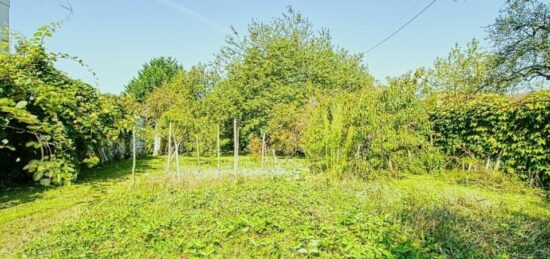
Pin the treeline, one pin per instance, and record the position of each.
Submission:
(287, 81)
(265, 80)
(309, 97)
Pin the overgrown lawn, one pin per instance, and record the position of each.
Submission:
(455, 214)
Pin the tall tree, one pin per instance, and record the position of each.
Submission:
(152, 75)
(521, 37)
(282, 62)
(465, 71)
(181, 101)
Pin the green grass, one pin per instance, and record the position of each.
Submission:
(455, 214)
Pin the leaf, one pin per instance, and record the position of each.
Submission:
(37, 175)
(21, 104)
(45, 182)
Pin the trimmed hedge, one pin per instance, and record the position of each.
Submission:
(507, 134)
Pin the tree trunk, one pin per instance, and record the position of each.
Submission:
(274, 160)
(218, 145)
(169, 157)
(263, 148)
(198, 151)
(177, 160)
(156, 141)
(235, 148)
(134, 157)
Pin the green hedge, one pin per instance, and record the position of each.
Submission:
(506, 134)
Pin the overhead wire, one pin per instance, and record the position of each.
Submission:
(402, 27)
(396, 22)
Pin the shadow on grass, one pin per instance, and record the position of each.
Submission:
(99, 178)
(489, 234)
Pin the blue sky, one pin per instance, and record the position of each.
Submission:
(115, 37)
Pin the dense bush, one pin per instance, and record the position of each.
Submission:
(506, 134)
(51, 124)
(374, 130)
(286, 126)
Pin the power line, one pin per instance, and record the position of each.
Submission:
(402, 27)
(398, 21)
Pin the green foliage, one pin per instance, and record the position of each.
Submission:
(373, 130)
(497, 129)
(286, 126)
(281, 63)
(521, 38)
(453, 215)
(51, 124)
(181, 101)
(152, 75)
(465, 71)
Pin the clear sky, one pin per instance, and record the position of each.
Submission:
(115, 37)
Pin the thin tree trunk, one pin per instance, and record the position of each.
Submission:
(177, 160)
(274, 159)
(218, 145)
(169, 157)
(134, 157)
(263, 148)
(156, 141)
(198, 152)
(235, 148)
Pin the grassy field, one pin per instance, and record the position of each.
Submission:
(275, 210)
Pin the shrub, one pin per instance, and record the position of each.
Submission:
(384, 129)
(51, 124)
(285, 128)
(254, 148)
(506, 134)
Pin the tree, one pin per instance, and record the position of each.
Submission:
(465, 71)
(521, 38)
(152, 75)
(181, 100)
(282, 62)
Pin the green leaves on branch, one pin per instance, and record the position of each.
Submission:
(521, 39)
(152, 75)
(276, 68)
(505, 132)
(51, 124)
(365, 132)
